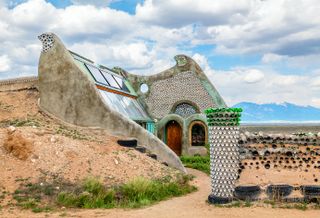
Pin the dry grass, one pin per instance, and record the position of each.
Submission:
(18, 146)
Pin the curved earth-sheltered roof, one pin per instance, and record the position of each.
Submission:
(69, 93)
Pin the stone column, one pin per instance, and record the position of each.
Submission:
(224, 152)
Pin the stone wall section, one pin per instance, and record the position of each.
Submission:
(183, 86)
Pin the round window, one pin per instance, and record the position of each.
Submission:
(144, 88)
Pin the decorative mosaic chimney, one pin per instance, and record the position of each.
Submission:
(224, 152)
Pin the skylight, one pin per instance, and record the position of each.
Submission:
(106, 78)
(96, 74)
(111, 80)
(121, 83)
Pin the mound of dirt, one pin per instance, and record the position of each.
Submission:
(42, 149)
(17, 145)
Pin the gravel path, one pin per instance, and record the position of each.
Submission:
(192, 205)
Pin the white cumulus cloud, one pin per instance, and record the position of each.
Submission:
(253, 76)
(98, 3)
(279, 31)
(4, 63)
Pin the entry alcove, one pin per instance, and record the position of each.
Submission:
(198, 134)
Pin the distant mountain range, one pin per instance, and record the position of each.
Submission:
(285, 112)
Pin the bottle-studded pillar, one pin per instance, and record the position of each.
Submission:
(224, 152)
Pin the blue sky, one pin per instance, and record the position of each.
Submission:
(251, 50)
(128, 6)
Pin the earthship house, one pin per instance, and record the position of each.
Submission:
(164, 111)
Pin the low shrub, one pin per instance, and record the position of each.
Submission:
(41, 197)
(136, 193)
(197, 162)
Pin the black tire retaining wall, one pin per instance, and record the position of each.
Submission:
(275, 192)
(250, 193)
(310, 191)
(278, 191)
(131, 143)
(218, 200)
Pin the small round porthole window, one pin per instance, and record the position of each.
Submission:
(144, 88)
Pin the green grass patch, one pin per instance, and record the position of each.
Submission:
(71, 133)
(299, 206)
(20, 122)
(42, 197)
(271, 202)
(37, 196)
(137, 193)
(197, 162)
(235, 204)
(41, 209)
(282, 205)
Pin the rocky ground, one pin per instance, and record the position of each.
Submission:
(36, 148)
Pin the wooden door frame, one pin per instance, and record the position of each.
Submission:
(166, 134)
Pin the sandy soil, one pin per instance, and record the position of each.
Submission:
(192, 205)
(43, 150)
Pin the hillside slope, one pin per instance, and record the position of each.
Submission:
(37, 148)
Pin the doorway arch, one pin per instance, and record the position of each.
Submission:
(174, 136)
(198, 134)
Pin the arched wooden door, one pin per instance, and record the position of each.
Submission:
(174, 136)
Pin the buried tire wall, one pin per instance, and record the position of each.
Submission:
(282, 164)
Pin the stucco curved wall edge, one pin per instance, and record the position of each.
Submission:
(163, 122)
(68, 93)
(196, 117)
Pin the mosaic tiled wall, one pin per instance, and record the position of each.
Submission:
(183, 86)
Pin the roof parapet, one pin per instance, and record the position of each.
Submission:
(181, 60)
(47, 40)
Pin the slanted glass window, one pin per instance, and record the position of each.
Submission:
(121, 83)
(112, 82)
(96, 74)
(125, 105)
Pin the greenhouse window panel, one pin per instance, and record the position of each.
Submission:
(125, 105)
(121, 83)
(96, 74)
(111, 80)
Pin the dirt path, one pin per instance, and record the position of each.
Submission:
(192, 205)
